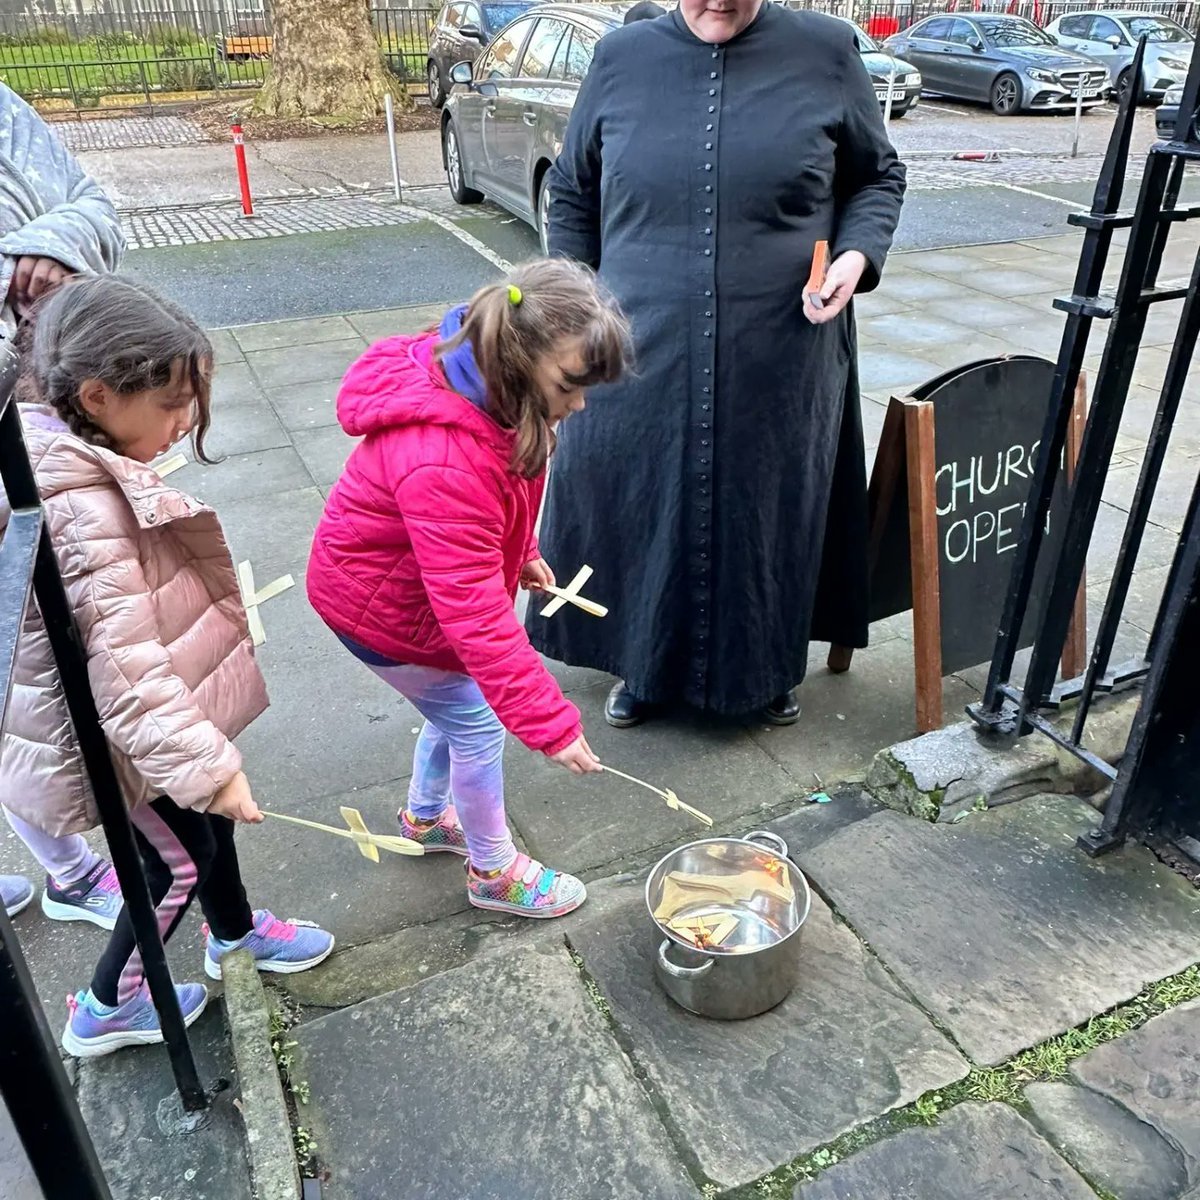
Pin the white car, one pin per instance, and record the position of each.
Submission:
(1112, 38)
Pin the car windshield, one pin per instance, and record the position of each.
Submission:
(865, 44)
(1157, 29)
(1014, 33)
(500, 14)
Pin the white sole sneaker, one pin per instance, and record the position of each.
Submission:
(57, 911)
(107, 1043)
(20, 906)
(537, 914)
(213, 969)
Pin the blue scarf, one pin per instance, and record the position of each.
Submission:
(462, 373)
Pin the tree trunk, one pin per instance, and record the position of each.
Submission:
(326, 62)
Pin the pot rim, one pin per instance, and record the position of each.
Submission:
(716, 951)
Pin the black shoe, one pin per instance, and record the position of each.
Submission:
(783, 710)
(623, 710)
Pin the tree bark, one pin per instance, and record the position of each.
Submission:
(326, 62)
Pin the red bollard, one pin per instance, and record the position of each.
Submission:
(239, 153)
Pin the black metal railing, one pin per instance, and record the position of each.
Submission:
(32, 1079)
(1016, 709)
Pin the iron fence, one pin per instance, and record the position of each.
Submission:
(140, 52)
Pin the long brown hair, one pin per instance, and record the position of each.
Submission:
(512, 324)
(120, 332)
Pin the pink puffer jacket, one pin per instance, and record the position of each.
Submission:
(156, 600)
(419, 553)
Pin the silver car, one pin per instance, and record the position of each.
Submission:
(1007, 61)
(504, 122)
(1112, 38)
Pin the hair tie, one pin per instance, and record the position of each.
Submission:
(514, 295)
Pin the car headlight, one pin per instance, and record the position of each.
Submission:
(913, 80)
(1040, 75)
(1174, 95)
(1173, 64)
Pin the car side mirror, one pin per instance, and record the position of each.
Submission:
(976, 45)
(1114, 41)
(461, 73)
(471, 31)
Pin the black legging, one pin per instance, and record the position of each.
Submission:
(185, 854)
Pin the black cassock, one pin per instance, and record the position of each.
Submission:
(720, 494)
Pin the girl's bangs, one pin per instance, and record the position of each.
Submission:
(606, 352)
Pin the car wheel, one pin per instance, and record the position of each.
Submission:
(455, 175)
(1006, 95)
(433, 79)
(1124, 83)
(543, 213)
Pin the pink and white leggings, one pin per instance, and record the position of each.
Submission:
(459, 758)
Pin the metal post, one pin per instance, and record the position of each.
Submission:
(887, 104)
(35, 1087)
(1078, 117)
(391, 133)
(239, 155)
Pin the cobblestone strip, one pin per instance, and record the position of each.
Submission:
(128, 133)
(221, 223)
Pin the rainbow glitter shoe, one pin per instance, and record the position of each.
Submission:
(527, 889)
(444, 836)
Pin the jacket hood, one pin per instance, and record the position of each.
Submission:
(397, 383)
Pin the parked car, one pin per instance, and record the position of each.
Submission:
(1112, 38)
(905, 84)
(462, 30)
(1007, 61)
(504, 121)
(1167, 114)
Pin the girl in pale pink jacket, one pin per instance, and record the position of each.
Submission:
(119, 376)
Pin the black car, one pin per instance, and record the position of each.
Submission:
(462, 30)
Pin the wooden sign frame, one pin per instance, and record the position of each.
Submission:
(908, 441)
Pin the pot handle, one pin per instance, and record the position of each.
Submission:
(678, 972)
(771, 840)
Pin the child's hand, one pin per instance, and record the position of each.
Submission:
(537, 574)
(578, 757)
(235, 802)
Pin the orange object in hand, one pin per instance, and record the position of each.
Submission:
(816, 278)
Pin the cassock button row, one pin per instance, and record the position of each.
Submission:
(708, 187)
(708, 128)
(708, 291)
(712, 74)
(708, 370)
(708, 233)
(708, 166)
(708, 254)
(706, 407)
(708, 145)
(711, 107)
(712, 91)
(708, 212)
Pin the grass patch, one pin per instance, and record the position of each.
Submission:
(296, 1092)
(1050, 1060)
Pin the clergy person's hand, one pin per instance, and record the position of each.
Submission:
(840, 281)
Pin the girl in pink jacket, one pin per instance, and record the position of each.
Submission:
(430, 531)
(116, 376)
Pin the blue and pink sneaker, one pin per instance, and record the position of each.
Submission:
(282, 947)
(443, 836)
(526, 889)
(93, 1030)
(96, 898)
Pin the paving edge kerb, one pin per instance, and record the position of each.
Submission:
(264, 1110)
(942, 774)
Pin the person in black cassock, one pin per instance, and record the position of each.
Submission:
(720, 494)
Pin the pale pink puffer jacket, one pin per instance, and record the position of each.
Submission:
(156, 599)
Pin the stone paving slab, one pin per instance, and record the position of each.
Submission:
(1000, 926)
(845, 1047)
(496, 1080)
(985, 1152)
(1154, 1074)
(119, 1096)
(1102, 1138)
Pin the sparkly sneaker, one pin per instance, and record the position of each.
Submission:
(15, 893)
(91, 1032)
(283, 947)
(443, 836)
(527, 889)
(96, 898)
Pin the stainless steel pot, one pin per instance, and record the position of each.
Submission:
(748, 967)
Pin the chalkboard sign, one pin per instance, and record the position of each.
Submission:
(947, 497)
